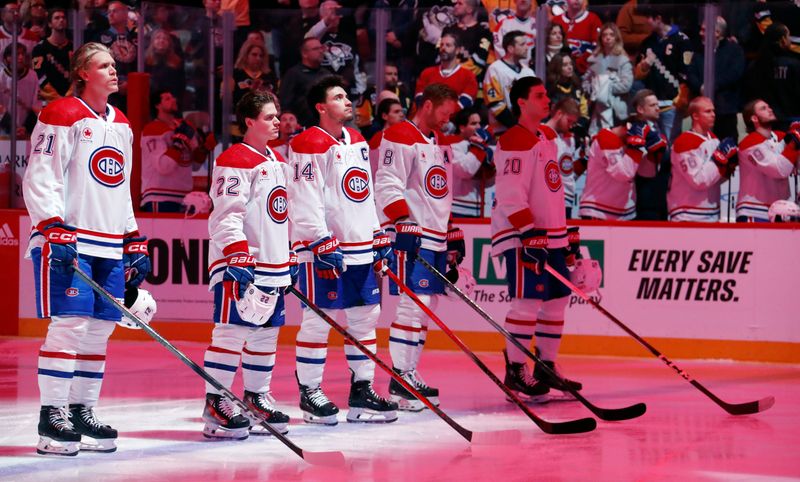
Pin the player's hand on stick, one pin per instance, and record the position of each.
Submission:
(574, 246)
(241, 271)
(456, 249)
(61, 246)
(408, 237)
(726, 156)
(382, 252)
(136, 260)
(294, 267)
(534, 250)
(328, 257)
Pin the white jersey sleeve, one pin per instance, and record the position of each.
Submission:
(694, 188)
(609, 191)
(764, 170)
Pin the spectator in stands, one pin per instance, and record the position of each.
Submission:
(400, 36)
(291, 27)
(165, 66)
(581, 27)
(499, 78)
(449, 72)
(556, 44)
(170, 147)
(390, 112)
(633, 27)
(729, 67)
(663, 64)
(523, 19)
(775, 76)
(122, 43)
(473, 166)
(28, 103)
(297, 80)
(476, 39)
(252, 71)
(160, 18)
(562, 81)
(432, 18)
(367, 106)
(10, 15)
(34, 15)
(768, 158)
(287, 130)
(51, 58)
(608, 80)
(96, 17)
(647, 145)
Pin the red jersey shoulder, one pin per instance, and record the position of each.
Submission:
(355, 136)
(239, 156)
(606, 139)
(445, 140)
(517, 138)
(312, 141)
(547, 132)
(275, 143)
(64, 112)
(403, 133)
(687, 141)
(120, 118)
(278, 156)
(155, 128)
(375, 141)
(751, 140)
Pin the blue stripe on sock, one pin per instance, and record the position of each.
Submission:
(405, 342)
(257, 368)
(219, 366)
(524, 337)
(55, 373)
(548, 335)
(313, 361)
(356, 357)
(81, 374)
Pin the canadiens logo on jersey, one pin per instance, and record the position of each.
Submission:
(436, 182)
(355, 184)
(552, 176)
(107, 165)
(277, 205)
(566, 164)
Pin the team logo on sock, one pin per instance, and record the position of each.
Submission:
(277, 205)
(436, 182)
(552, 176)
(107, 166)
(355, 184)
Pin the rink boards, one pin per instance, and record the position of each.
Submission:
(695, 290)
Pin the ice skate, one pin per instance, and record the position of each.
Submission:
(264, 405)
(96, 437)
(316, 406)
(405, 399)
(520, 381)
(559, 383)
(57, 436)
(224, 419)
(366, 406)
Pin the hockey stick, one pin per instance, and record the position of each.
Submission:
(572, 426)
(732, 408)
(334, 459)
(608, 414)
(496, 437)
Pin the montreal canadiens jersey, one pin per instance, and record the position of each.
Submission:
(467, 190)
(79, 170)
(764, 173)
(331, 193)
(694, 188)
(566, 157)
(413, 177)
(609, 192)
(497, 86)
(459, 79)
(529, 191)
(164, 178)
(509, 24)
(250, 213)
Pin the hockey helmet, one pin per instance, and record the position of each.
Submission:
(466, 282)
(783, 211)
(197, 202)
(141, 304)
(257, 306)
(587, 275)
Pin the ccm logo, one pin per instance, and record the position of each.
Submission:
(136, 248)
(62, 236)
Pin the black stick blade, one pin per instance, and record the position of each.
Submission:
(750, 407)
(618, 414)
(573, 426)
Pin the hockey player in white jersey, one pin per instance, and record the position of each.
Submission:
(767, 158)
(80, 160)
(529, 229)
(170, 147)
(563, 116)
(700, 162)
(499, 77)
(414, 201)
(249, 265)
(338, 239)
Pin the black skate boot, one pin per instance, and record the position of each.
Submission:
(366, 406)
(224, 419)
(263, 404)
(407, 401)
(519, 381)
(558, 383)
(57, 436)
(101, 438)
(316, 406)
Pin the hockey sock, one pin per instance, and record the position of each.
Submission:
(312, 348)
(57, 358)
(258, 359)
(361, 321)
(404, 334)
(222, 357)
(550, 327)
(521, 322)
(90, 362)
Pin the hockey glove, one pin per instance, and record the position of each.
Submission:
(653, 142)
(725, 156)
(381, 249)
(241, 271)
(328, 258)
(408, 237)
(456, 249)
(534, 250)
(60, 246)
(637, 134)
(574, 247)
(135, 259)
(294, 267)
(793, 137)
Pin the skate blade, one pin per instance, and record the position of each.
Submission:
(100, 445)
(216, 432)
(535, 399)
(330, 420)
(407, 405)
(48, 446)
(364, 415)
(260, 430)
(557, 395)
(497, 437)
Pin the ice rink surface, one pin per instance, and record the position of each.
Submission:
(155, 402)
